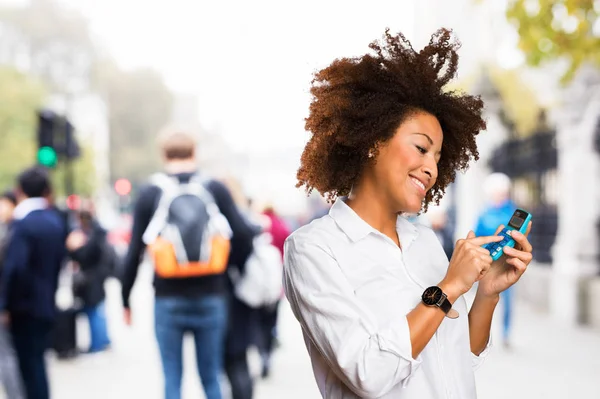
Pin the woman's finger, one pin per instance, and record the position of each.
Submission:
(528, 229)
(515, 253)
(522, 241)
(518, 264)
(499, 229)
(483, 251)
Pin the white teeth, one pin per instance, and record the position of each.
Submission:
(418, 182)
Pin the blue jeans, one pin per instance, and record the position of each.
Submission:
(98, 331)
(206, 318)
(507, 299)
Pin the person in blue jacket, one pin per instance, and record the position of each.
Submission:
(499, 210)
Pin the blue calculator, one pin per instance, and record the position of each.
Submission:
(519, 221)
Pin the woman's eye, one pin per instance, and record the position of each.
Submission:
(421, 150)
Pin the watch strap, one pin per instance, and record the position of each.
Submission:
(445, 304)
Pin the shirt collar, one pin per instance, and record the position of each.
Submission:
(29, 205)
(357, 229)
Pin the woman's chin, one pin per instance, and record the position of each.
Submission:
(412, 208)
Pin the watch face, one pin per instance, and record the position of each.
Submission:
(432, 295)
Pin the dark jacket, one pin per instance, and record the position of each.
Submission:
(93, 267)
(4, 240)
(241, 245)
(32, 263)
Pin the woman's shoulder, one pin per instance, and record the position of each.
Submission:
(321, 231)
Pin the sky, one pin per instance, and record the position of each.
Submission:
(249, 63)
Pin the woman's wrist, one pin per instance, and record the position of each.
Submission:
(451, 290)
(492, 298)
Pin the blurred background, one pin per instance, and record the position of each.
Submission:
(86, 86)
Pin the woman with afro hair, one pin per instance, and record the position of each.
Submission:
(380, 305)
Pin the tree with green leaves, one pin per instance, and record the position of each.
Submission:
(62, 54)
(20, 99)
(520, 107)
(558, 29)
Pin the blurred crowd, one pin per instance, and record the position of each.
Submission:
(217, 271)
(217, 275)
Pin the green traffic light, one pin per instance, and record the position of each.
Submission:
(47, 156)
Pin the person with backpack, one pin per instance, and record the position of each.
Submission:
(193, 232)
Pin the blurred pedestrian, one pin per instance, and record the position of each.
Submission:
(32, 263)
(243, 323)
(89, 248)
(382, 310)
(194, 231)
(10, 375)
(279, 232)
(439, 224)
(498, 211)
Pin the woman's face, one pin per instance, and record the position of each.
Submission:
(406, 166)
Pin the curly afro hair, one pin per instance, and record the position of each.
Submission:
(358, 104)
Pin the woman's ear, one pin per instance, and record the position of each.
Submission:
(373, 151)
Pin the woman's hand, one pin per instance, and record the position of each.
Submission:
(509, 268)
(469, 263)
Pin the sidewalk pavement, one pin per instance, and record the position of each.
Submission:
(547, 360)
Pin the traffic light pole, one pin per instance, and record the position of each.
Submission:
(68, 176)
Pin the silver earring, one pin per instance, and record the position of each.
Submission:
(371, 155)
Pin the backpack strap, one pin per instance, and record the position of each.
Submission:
(197, 186)
(170, 189)
(219, 224)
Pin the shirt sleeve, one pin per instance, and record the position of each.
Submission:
(478, 360)
(479, 229)
(142, 214)
(369, 359)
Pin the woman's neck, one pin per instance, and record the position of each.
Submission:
(371, 206)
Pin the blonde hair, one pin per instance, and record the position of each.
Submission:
(176, 144)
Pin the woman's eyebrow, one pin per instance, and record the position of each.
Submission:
(426, 135)
(429, 139)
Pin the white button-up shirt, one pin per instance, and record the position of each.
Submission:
(351, 287)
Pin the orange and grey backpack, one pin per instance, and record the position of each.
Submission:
(187, 236)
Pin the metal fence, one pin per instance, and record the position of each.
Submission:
(531, 162)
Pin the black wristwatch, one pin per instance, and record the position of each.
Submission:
(434, 296)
